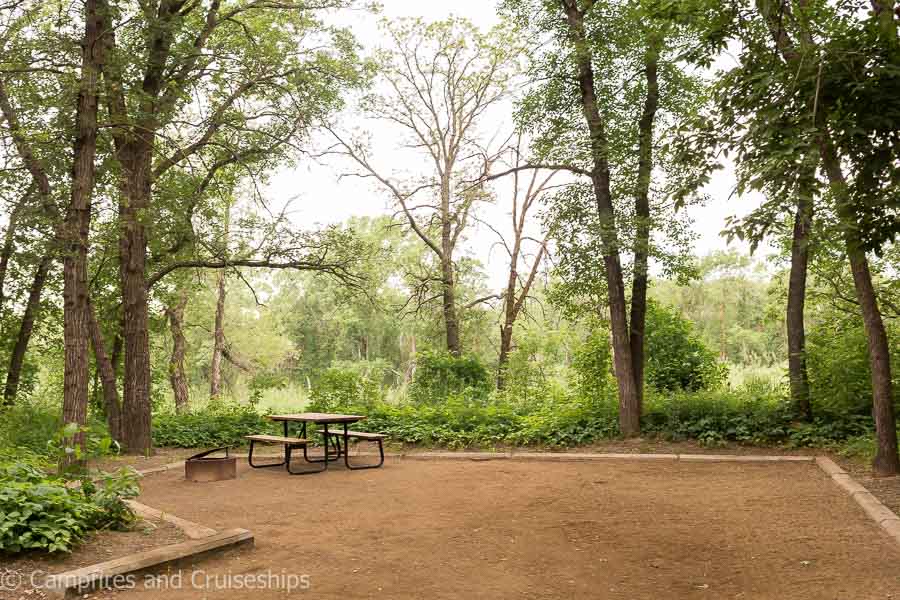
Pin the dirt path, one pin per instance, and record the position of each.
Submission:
(500, 529)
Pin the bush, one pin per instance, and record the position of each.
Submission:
(676, 357)
(592, 364)
(838, 364)
(440, 375)
(38, 512)
(343, 386)
(219, 423)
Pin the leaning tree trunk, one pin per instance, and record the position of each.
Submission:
(107, 373)
(887, 461)
(177, 378)
(796, 300)
(642, 218)
(76, 230)
(9, 239)
(215, 369)
(629, 399)
(26, 328)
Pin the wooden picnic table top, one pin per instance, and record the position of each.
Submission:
(314, 417)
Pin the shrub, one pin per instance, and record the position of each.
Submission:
(838, 363)
(440, 375)
(342, 386)
(38, 512)
(676, 357)
(219, 423)
(592, 364)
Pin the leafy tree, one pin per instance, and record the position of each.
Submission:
(442, 80)
(609, 86)
(826, 72)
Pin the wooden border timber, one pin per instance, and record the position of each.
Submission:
(77, 582)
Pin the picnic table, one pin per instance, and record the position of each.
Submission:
(333, 437)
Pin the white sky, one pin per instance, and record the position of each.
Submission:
(319, 196)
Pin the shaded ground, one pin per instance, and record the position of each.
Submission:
(505, 529)
(16, 574)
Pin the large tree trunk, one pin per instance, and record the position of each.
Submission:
(77, 225)
(26, 328)
(215, 368)
(642, 217)
(629, 399)
(179, 346)
(136, 408)
(107, 372)
(887, 461)
(796, 300)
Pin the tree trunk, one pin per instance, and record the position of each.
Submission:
(9, 239)
(77, 228)
(177, 378)
(215, 369)
(506, 333)
(796, 300)
(642, 217)
(136, 429)
(629, 400)
(32, 308)
(451, 319)
(107, 372)
(887, 461)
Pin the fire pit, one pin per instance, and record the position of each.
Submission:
(204, 468)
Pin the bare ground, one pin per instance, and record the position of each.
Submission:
(506, 529)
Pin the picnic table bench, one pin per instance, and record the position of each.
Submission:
(291, 443)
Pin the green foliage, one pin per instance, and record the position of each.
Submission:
(440, 375)
(347, 386)
(219, 423)
(38, 512)
(676, 358)
(593, 365)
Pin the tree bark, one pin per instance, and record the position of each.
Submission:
(9, 239)
(133, 257)
(629, 400)
(642, 216)
(177, 377)
(26, 328)
(215, 369)
(107, 372)
(76, 228)
(796, 300)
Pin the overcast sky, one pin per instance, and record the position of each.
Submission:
(319, 196)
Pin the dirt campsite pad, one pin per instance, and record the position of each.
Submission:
(511, 529)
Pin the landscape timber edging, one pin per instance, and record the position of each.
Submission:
(194, 531)
(79, 582)
(878, 512)
(202, 542)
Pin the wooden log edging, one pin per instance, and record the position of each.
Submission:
(78, 582)
(878, 512)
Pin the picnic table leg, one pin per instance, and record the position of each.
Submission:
(347, 453)
(325, 448)
(287, 449)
